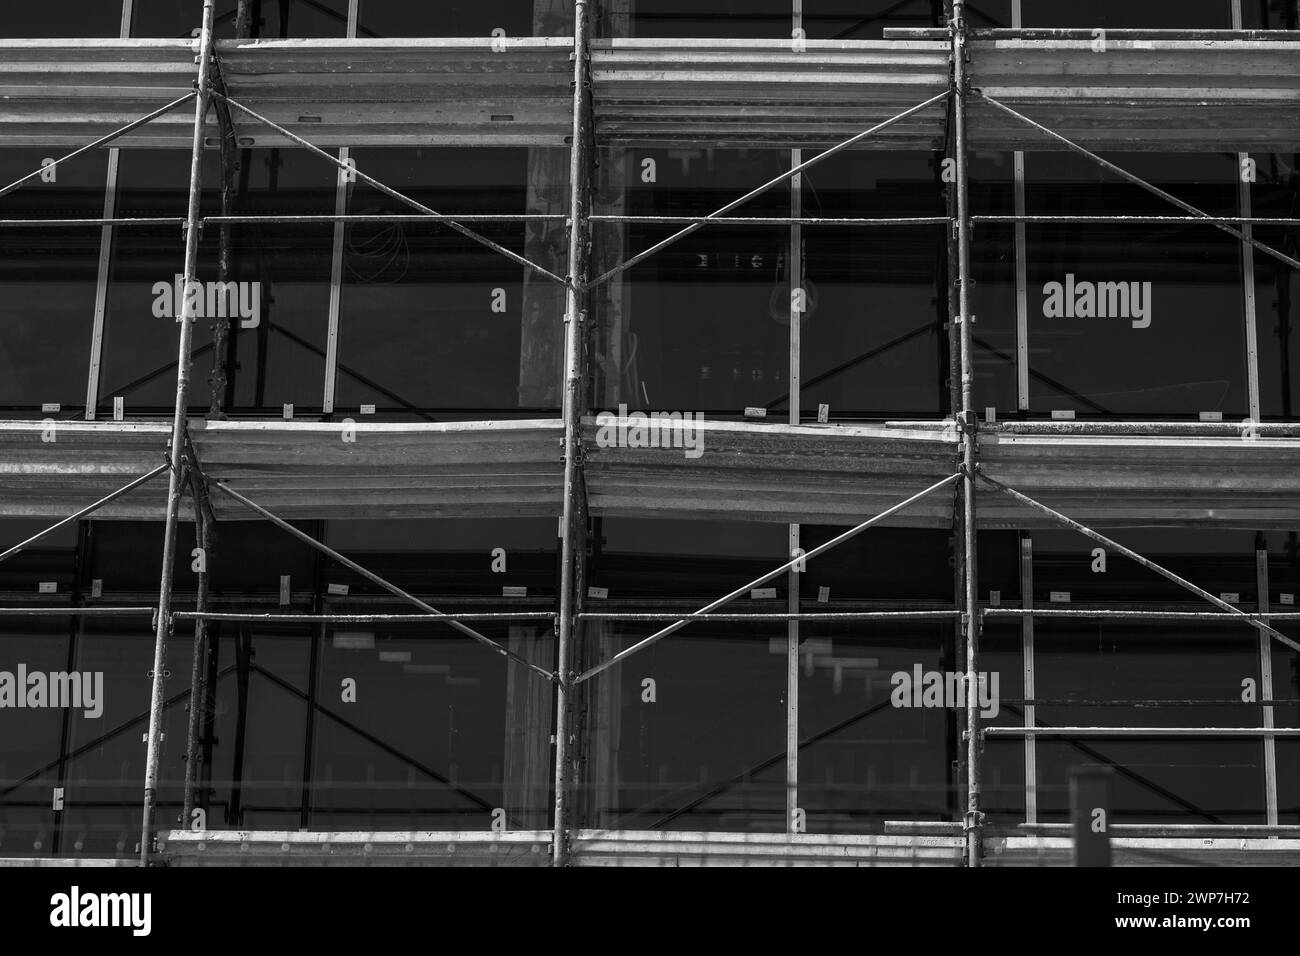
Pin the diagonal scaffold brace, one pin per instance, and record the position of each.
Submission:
(1198, 214)
(390, 191)
(433, 612)
(1065, 521)
(86, 511)
(788, 174)
(102, 141)
(702, 613)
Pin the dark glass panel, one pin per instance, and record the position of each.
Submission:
(866, 754)
(248, 556)
(253, 761)
(32, 736)
(731, 19)
(1221, 561)
(271, 19)
(424, 742)
(47, 280)
(708, 752)
(677, 559)
(106, 764)
(703, 324)
(139, 358)
(1211, 780)
(456, 18)
(1264, 15)
(63, 18)
(452, 559)
(431, 318)
(1124, 14)
(853, 20)
(1134, 320)
(881, 564)
(1159, 781)
(51, 559)
(1003, 767)
(282, 358)
(1288, 781)
(992, 295)
(874, 292)
(1286, 686)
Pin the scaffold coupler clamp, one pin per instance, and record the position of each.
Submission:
(973, 820)
(968, 422)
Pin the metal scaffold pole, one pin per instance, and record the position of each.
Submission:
(573, 521)
(969, 431)
(176, 478)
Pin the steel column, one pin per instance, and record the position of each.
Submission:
(342, 190)
(969, 440)
(1266, 688)
(574, 520)
(101, 286)
(174, 488)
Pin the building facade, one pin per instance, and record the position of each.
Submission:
(460, 342)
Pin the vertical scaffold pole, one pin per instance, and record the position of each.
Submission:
(974, 818)
(797, 306)
(574, 517)
(174, 484)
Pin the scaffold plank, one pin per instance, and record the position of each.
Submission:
(831, 474)
(1135, 92)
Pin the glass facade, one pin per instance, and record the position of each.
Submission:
(432, 323)
(409, 726)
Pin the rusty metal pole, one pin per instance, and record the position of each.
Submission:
(175, 488)
(244, 19)
(222, 341)
(573, 519)
(974, 820)
(198, 686)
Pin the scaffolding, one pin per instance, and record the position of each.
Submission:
(954, 455)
